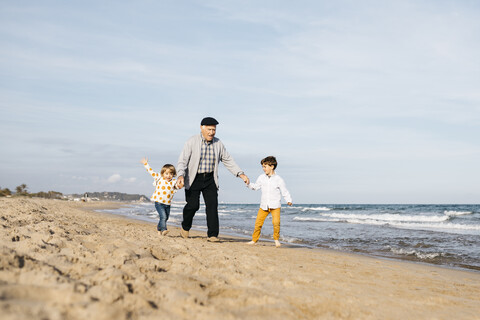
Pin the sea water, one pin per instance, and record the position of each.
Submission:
(447, 235)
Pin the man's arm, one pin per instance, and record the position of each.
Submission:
(231, 165)
(182, 164)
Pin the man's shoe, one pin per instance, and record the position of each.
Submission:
(183, 233)
(213, 239)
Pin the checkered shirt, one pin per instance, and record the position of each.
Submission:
(207, 158)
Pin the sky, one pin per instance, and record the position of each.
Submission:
(360, 101)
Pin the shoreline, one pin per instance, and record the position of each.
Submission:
(406, 259)
(64, 260)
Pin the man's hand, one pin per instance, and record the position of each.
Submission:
(245, 179)
(180, 182)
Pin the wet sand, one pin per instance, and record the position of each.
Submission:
(61, 260)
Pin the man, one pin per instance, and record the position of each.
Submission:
(197, 170)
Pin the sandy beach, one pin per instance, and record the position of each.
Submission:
(62, 260)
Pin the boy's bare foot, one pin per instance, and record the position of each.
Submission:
(252, 243)
(165, 232)
(277, 243)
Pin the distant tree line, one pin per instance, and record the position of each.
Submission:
(114, 196)
(21, 190)
(5, 192)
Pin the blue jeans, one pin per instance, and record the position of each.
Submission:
(164, 212)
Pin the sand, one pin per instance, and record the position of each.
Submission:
(61, 260)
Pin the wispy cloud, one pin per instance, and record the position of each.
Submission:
(114, 178)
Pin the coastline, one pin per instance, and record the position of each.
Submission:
(354, 236)
(62, 260)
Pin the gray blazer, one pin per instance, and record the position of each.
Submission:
(189, 160)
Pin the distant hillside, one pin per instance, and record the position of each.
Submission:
(111, 196)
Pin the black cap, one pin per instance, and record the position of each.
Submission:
(209, 122)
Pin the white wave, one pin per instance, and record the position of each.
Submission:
(289, 239)
(387, 217)
(145, 204)
(232, 210)
(368, 221)
(398, 224)
(420, 255)
(419, 226)
(312, 219)
(177, 205)
(316, 209)
(445, 226)
(457, 213)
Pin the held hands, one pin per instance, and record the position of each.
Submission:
(245, 179)
(144, 160)
(180, 182)
(289, 203)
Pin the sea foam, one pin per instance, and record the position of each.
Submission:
(457, 213)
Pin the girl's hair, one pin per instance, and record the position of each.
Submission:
(271, 161)
(169, 167)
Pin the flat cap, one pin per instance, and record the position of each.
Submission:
(208, 121)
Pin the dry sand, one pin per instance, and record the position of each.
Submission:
(60, 260)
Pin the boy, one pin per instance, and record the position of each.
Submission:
(273, 188)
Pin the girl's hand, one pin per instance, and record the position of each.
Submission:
(144, 160)
(180, 182)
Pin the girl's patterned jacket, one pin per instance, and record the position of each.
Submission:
(164, 190)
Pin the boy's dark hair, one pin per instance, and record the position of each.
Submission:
(271, 161)
(170, 168)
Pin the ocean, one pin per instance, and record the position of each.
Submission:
(446, 235)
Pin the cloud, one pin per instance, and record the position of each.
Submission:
(114, 178)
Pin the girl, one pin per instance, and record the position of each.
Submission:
(164, 184)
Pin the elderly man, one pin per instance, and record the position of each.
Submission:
(197, 170)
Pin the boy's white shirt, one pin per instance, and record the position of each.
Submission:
(273, 188)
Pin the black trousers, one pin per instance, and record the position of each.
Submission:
(204, 183)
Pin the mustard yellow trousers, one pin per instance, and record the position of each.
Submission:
(261, 216)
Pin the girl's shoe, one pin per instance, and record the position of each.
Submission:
(277, 243)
